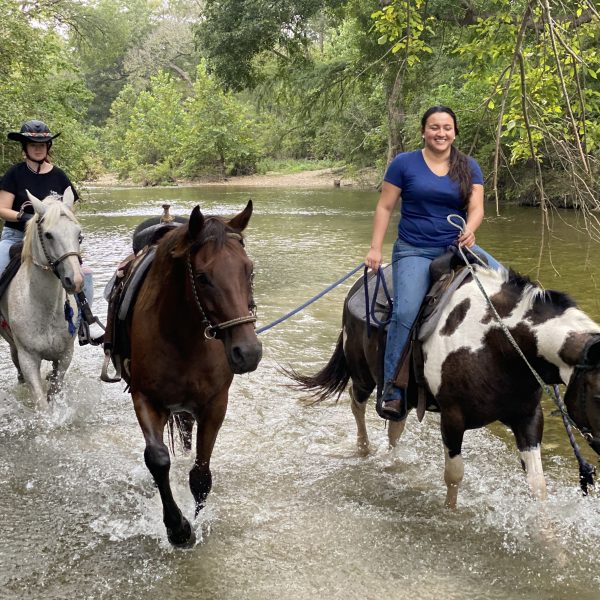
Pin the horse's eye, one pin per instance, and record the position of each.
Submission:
(48, 235)
(80, 238)
(202, 279)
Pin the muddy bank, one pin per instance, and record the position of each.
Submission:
(321, 178)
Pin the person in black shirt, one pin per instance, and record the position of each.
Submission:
(38, 175)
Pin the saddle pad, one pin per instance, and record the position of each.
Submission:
(356, 303)
(132, 286)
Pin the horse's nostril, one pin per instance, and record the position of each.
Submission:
(238, 355)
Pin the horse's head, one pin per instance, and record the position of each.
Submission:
(52, 239)
(220, 278)
(582, 397)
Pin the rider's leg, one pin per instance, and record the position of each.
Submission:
(9, 237)
(411, 283)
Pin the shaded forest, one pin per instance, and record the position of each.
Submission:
(155, 91)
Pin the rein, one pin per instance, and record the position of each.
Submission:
(211, 330)
(586, 470)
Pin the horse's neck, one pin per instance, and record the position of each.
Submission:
(43, 289)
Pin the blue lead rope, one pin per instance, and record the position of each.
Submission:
(308, 302)
(370, 306)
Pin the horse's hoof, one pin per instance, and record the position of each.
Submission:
(185, 538)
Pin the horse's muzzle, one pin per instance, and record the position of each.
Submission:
(244, 357)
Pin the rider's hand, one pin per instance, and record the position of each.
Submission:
(373, 259)
(466, 238)
(23, 217)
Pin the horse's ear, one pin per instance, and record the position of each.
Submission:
(68, 198)
(196, 223)
(239, 222)
(38, 206)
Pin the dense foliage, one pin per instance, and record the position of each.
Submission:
(155, 91)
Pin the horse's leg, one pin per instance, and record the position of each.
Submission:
(395, 429)
(57, 376)
(156, 455)
(528, 435)
(208, 424)
(452, 434)
(15, 358)
(30, 368)
(358, 403)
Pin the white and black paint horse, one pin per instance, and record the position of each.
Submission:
(475, 376)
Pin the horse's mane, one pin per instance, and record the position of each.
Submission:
(531, 293)
(55, 209)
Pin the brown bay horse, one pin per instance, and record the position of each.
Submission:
(473, 374)
(192, 329)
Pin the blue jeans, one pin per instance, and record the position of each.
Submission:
(11, 236)
(410, 269)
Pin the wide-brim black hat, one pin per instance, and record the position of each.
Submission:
(32, 138)
(33, 132)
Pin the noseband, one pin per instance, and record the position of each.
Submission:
(52, 264)
(211, 330)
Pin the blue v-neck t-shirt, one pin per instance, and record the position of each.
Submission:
(427, 199)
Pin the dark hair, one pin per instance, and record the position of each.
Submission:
(460, 170)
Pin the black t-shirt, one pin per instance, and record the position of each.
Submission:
(20, 178)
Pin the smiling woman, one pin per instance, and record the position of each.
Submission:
(434, 182)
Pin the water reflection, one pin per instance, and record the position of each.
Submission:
(294, 512)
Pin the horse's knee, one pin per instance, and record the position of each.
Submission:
(156, 457)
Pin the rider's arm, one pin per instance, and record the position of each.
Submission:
(388, 199)
(6, 210)
(474, 216)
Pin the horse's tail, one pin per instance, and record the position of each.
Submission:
(184, 425)
(332, 379)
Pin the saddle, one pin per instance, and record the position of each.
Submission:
(447, 272)
(121, 293)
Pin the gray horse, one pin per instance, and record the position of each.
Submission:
(41, 316)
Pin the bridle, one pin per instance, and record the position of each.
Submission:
(211, 330)
(52, 264)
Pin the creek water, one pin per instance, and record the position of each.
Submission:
(294, 512)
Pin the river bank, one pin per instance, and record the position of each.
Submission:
(320, 178)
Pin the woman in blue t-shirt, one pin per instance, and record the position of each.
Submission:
(433, 182)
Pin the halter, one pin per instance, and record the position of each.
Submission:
(210, 332)
(52, 264)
